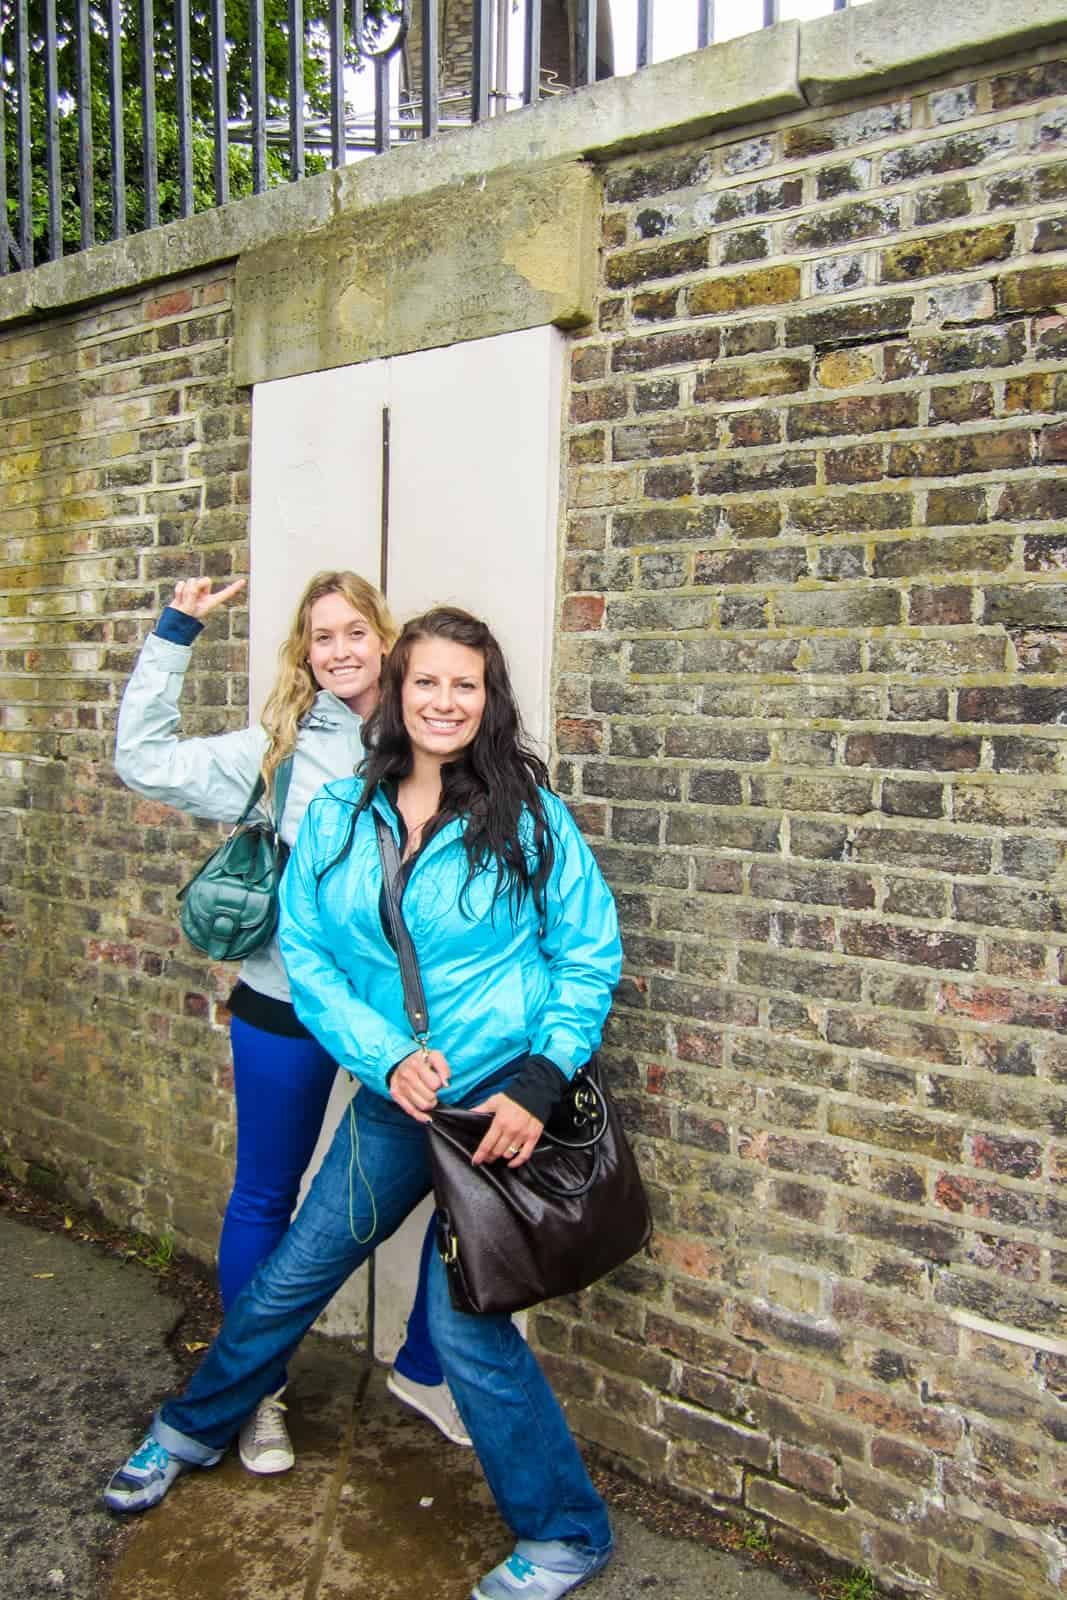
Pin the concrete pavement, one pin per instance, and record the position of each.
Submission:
(379, 1506)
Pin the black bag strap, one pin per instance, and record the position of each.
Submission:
(410, 976)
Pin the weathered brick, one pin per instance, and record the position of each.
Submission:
(658, 176)
(1000, 346)
(860, 220)
(667, 261)
(749, 380)
(945, 458)
(765, 287)
(794, 469)
(1032, 289)
(943, 204)
(870, 319)
(665, 350)
(857, 414)
(656, 305)
(748, 244)
(844, 132)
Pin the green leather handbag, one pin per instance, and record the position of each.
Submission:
(230, 908)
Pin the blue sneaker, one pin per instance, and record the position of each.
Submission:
(144, 1479)
(541, 1570)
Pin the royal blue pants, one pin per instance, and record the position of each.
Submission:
(282, 1086)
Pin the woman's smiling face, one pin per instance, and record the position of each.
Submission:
(443, 697)
(345, 653)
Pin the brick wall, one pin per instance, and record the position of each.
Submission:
(811, 709)
(123, 464)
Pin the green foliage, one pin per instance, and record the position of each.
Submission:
(754, 1537)
(238, 94)
(155, 1253)
(859, 1585)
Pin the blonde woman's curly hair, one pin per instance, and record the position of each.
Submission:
(295, 688)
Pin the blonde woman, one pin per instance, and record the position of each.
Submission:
(327, 686)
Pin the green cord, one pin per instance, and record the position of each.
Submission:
(355, 1163)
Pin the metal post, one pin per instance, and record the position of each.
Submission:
(644, 32)
(148, 115)
(220, 104)
(297, 157)
(51, 124)
(705, 23)
(22, 78)
(531, 73)
(770, 13)
(115, 119)
(259, 97)
(498, 101)
(430, 108)
(86, 193)
(337, 81)
(482, 23)
(6, 240)
(585, 43)
(184, 99)
(381, 104)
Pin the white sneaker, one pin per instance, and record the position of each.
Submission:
(433, 1401)
(264, 1442)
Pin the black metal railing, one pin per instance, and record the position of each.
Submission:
(117, 115)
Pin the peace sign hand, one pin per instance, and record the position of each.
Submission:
(194, 596)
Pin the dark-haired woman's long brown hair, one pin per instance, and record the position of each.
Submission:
(491, 782)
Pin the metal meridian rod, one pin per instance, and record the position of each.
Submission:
(148, 115)
(705, 23)
(297, 155)
(22, 78)
(644, 32)
(770, 13)
(184, 97)
(585, 43)
(531, 63)
(481, 55)
(86, 194)
(115, 119)
(51, 124)
(220, 133)
(383, 556)
(259, 96)
(430, 107)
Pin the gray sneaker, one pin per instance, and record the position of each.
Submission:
(433, 1401)
(264, 1443)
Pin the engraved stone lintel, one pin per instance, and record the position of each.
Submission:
(488, 256)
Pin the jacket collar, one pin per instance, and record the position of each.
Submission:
(327, 711)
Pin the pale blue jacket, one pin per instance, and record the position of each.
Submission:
(212, 776)
(499, 982)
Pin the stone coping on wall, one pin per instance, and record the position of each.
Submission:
(756, 76)
(493, 255)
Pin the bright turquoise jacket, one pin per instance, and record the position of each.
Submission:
(499, 982)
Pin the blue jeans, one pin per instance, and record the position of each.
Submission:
(376, 1171)
(281, 1087)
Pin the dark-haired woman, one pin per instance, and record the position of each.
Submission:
(518, 944)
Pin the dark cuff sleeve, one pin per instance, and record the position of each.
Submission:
(538, 1087)
(178, 626)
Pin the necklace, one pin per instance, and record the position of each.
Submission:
(412, 831)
